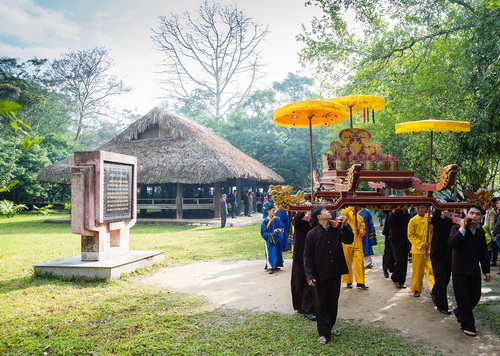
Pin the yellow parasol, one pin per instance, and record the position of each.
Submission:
(432, 125)
(308, 114)
(361, 103)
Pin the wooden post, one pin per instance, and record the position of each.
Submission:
(238, 197)
(178, 200)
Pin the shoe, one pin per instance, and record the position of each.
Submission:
(349, 285)
(362, 286)
(444, 311)
(493, 264)
(398, 285)
(370, 266)
(311, 317)
(433, 299)
(469, 333)
(386, 274)
(270, 270)
(416, 294)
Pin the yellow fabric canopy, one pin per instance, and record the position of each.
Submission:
(310, 113)
(434, 126)
(361, 102)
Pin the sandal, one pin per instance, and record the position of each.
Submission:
(469, 333)
(335, 332)
(322, 340)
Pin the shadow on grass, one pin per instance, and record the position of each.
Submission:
(36, 280)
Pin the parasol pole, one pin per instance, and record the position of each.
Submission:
(350, 115)
(311, 156)
(430, 158)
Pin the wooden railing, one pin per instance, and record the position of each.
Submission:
(170, 203)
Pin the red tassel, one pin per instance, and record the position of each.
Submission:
(364, 116)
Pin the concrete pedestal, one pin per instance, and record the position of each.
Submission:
(110, 268)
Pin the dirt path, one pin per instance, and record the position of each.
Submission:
(244, 285)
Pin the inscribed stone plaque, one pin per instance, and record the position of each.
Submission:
(118, 180)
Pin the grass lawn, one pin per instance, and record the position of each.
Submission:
(122, 317)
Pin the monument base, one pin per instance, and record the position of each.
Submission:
(71, 267)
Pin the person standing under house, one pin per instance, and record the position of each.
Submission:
(369, 239)
(246, 204)
(272, 232)
(324, 264)
(353, 252)
(420, 236)
(397, 223)
(441, 258)
(469, 250)
(302, 293)
(233, 200)
(223, 210)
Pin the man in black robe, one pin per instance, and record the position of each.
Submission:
(324, 264)
(397, 222)
(302, 294)
(441, 258)
(469, 250)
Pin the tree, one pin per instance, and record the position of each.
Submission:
(294, 88)
(428, 59)
(84, 76)
(214, 54)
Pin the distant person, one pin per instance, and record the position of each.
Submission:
(420, 236)
(324, 264)
(370, 237)
(388, 257)
(223, 210)
(272, 232)
(469, 251)
(233, 200)
(267, 203)
(246, 203)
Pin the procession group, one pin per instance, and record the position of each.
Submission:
(335, 248)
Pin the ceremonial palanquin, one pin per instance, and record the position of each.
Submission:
(355, 159)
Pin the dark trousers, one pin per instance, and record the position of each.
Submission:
(223, 218)
(233, 210)
(400, 253)
(326, 302)
(302, 293)
(467, 294)
(442, 273)
(388, 257)
(493, 253)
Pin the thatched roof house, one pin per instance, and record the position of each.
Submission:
(173, 150)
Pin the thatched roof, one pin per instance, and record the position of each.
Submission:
(186, 153)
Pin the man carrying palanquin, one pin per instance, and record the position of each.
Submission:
(353, 252)
(420, 236)
(324, 264)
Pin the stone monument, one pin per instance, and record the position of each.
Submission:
(103, 209)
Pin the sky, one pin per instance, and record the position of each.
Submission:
(48, 28)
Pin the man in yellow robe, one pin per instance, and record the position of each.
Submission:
(420, 235)
(354, 254)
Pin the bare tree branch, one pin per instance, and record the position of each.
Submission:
(216, 51)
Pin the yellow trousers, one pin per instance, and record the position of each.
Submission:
(419, 265)
(354, 257)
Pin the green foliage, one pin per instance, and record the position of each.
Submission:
(427, 59)
(44, 210)
(10, 209)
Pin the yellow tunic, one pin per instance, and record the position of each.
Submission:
(421, 261)
(353, 253)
